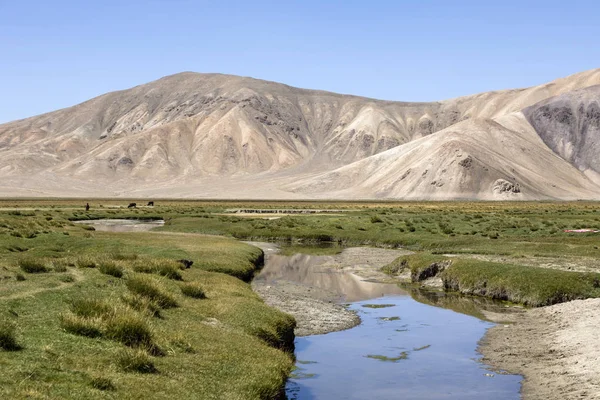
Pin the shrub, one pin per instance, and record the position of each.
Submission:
(101, 383)
(112, 269)
(8, 336)
(89, 327)
(32, 266)
(193, 290)
(152, 290)
(136, 361)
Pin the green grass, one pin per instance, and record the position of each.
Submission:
(421, 266)
(193, 290)
(8, 336)
(152, 290)
(111, 268)
(527, 285)
(228, 345)
(32, 266)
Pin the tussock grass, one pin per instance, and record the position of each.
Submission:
(128, 327)
(86, 262)
(8, 336)
(82, 326)
(111, 268)
(151, 289)
(32, 266)
(136, 361)
(142, 304)
(193, 290)
(166, 268)
(102, 383)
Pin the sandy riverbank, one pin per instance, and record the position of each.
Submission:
(315, 299)
(556, 349)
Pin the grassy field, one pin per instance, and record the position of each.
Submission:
(87, 314)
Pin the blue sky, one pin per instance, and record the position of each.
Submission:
(54, 54)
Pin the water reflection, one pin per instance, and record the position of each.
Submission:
(310, 271)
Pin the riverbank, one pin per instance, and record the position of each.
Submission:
(555, 348)
(312, 289)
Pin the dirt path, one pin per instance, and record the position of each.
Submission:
(555, 348)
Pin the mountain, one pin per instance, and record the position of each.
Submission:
(222, 136)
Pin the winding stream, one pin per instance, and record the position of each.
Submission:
(406, 346)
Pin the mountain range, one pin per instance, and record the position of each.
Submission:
(193, 135)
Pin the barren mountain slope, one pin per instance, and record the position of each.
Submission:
(570, 125)
(199, 135)
(475, 159)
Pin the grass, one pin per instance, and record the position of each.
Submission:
(32, 266)
(136, 361)
(152, 290)
(111, 268)
(526, 285)
(230, 344)
(193, 290)
(421, 265)
(8, 336)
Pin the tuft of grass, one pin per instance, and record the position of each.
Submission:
(136, 360)
(8, 336)
(85, 262)
(20, 277)
(151, 289)
(90, 308)
(166, 268)
(77, 325)
(101, 383)
(66, 278)
(129, 328)
(110, 268)
(59, 268)
(32, 266)
(141, 304)
(193, 290)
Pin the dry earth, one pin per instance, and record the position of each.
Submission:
(555, 348)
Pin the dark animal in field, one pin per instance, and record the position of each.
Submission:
(186, 263)
(132, 205)
(87, 206)
(151, 203)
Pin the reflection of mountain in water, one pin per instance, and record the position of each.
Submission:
(308, 270)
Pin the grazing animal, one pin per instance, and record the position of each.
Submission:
(87, 206)
(186, 263)
(151, 203)
(132, 205)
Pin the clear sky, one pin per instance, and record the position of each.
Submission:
(58, 53)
